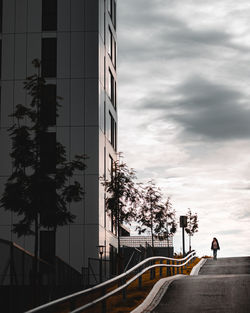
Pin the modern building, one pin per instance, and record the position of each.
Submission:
(76, 42)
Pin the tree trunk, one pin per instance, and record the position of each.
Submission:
(35, 265)
(168, 246)
(152, 236)
(120, 261)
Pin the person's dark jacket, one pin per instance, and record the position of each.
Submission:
(217, 245)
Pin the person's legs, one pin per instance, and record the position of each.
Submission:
(215, 254)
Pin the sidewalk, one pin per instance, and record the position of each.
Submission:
(222, 286)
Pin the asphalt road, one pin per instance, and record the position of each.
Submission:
(222, 286)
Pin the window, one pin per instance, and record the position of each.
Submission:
(49, 51)
(111, 167)
(0, 104)
(48, 105)
(113, 259)
(110, 38)
(48, 152)
(0, 58)
(49, 15)
(111, 88)
(114, 53)
(110, 7)
(112, 47)
(112, 11)
(112, 131)
(1, 15)
(47, 245)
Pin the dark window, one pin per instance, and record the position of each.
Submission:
(112, 11)
(110, 83)
(0, 58)
(0, 104)
(114, 52)
(112, 47)
(113, 259)
(48, 213)
(110, 7)
(1, 15)
(48, 105)
(114, 101)
(49, 15)
(112, 88)
(47, 245)
(49, 51)
(111, 166)
(110, 38)
(48, 152)
(112, 132)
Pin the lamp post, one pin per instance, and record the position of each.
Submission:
(100, 250)
(183, 224)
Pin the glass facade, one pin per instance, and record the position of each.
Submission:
(69, 39)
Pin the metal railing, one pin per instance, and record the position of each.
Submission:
(138, 270)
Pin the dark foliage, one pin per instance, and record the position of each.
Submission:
(38, 197)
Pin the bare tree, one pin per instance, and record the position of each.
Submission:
(166, 224)
(148, 215)
(122, 196)
(192, 225)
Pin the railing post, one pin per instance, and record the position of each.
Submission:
(72, 304)
(124, 291)
(104, 306)
(140, 281)
(160, 268)
(168, 268)
(104, 301)
(173, 263)
(152, 271)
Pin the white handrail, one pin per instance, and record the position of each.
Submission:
(79, 293)
(111, 293)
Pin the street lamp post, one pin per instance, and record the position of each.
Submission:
(100, 250)
(183, 224)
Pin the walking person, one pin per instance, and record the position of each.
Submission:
(215, 246)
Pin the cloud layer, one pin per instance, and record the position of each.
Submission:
(184, 109)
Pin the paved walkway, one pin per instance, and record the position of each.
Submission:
(222, 286)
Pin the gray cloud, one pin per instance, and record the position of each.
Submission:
(204, 109)
(152, 33)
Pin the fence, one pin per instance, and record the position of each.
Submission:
(120, 283)
(137, 241)
(17, 278)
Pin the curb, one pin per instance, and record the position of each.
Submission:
(197, 267)
(156, 294)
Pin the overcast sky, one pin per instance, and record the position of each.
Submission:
(184, 110)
